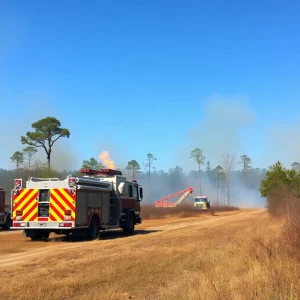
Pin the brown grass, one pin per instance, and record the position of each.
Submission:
(14, 242)
(183, 211)
(237, 255)
(285, 206)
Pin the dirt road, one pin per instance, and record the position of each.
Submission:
(138, 266)
(17, 249)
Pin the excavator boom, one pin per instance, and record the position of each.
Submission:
(162, 203)
(182, 197)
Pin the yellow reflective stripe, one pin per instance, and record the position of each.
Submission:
(21, 195)
(28, 208)
(57, 207)
(32, 214)
(62, 202)
(27, 199)
(53, 213)
(72, 202)
(34, 191)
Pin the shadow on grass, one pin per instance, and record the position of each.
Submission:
(110, 235)
(104, 235)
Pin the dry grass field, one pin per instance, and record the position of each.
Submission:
(229, 255)
(183, 211)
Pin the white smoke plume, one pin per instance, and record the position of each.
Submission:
(225, 123)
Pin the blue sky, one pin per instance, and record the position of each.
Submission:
(133, 77)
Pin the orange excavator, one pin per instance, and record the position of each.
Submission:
(162, 202)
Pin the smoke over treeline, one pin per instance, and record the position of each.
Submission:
(243, 186)
(244, 191)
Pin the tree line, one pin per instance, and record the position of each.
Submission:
(46, 132)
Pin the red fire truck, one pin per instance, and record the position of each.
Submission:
(5, 219)
(98, 200)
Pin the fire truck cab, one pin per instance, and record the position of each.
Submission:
(98, 200)
(5, 219)
(202, 202)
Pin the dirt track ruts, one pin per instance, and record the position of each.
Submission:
(28, 253)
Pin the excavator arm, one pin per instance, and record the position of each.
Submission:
(189, 191)
(162, 203)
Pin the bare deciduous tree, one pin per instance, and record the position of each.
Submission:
(228, 162)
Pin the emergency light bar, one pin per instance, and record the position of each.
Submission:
(110, 172)
(90, 171)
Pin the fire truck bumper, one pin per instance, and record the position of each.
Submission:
(42, 225)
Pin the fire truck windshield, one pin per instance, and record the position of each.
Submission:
(200, 199)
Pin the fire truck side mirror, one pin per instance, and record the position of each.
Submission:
(121, 188)
(141, 193)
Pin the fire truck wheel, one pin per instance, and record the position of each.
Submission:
(41, 236)
(7, 223)
(129, 229)
(94, 228)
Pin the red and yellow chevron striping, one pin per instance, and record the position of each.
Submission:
(26, 201)
(60, 201)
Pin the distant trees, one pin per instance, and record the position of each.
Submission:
(163, 183)
(246, 163)
(199, 158)
(220, 176)
(228, 163)
(176, 179)
(149, 165)
(92, 163)
(29, 152)
(208, 168)
(134, 167)
(42, 170)
(209, 171)
(295, 166)
(46, 132)
(17, 158)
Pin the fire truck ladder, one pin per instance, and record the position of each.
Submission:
(162, 203)
(112, 211)
(114, 204)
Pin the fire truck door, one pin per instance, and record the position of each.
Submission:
(2, 207)
(43, 203)
(81, 209)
